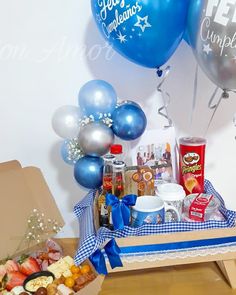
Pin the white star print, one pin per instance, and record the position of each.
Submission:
(121, 38)
(207, 48)
(98, 18)
(234, 58)
(142, 23)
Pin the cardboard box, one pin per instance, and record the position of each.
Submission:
(22, 190)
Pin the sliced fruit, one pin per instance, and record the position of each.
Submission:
(13, 279)
(136, 177)
(141, 186)
(147, 176)
(28, 265)
(2, 271)
(11, 265)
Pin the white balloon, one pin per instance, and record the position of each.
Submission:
(65, 121)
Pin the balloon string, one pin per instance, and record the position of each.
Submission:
(234, 122)
(210, 103)
(215, 106)
(165, 95)
(194, 95)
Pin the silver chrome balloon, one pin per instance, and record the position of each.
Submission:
(95, 139)
(211, 31)
(66, 121)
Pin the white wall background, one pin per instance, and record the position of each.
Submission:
(48, 50)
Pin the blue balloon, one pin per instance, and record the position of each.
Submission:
(88, 172)
(130, 102)
(71, 151)
(129, 122)
(65, 155)
(96, 98)
(146, 32)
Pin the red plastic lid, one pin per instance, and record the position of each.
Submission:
(116, 149)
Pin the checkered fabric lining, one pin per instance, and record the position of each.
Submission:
(90, 241)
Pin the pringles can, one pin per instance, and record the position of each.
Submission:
(191, 164)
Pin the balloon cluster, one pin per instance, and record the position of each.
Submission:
(89, 129)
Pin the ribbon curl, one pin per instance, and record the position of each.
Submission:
(214, 106)
(165, 95)
(120, 209)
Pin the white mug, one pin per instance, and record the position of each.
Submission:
(172, 194)
(150, 210)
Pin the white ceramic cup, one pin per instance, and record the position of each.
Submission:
(173, 195)
(149, 210)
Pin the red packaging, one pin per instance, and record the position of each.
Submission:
(191, 164)
(198, 207)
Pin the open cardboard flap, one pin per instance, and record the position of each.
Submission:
(21, 191)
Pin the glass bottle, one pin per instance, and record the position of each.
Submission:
(103, 210)
(117, 150)
(118, 179)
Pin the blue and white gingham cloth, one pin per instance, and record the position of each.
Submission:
(90, 241)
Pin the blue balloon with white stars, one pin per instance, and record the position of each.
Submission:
(129, 122)
(146, 32)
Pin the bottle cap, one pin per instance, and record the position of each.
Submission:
(119, 164)
(192, 141)
(116, 149)
(109, 158)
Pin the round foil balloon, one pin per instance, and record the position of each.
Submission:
(88, 172)
(211, 30)
(66, 121)
(129, 102)
(95, 139)
(129, 122)
(96, 98)
(146, 32)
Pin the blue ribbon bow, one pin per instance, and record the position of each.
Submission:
(98, 261)
(113, 253)
(120, 209)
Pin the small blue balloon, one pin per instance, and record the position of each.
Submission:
(129, 122)
(88, 172)
(97, 97)
(65, 155)
(146, 32)
(130, 102)
(71, 151)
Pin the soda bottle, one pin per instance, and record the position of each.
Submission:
(117, 150)
(118, 180)
(103, 210)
